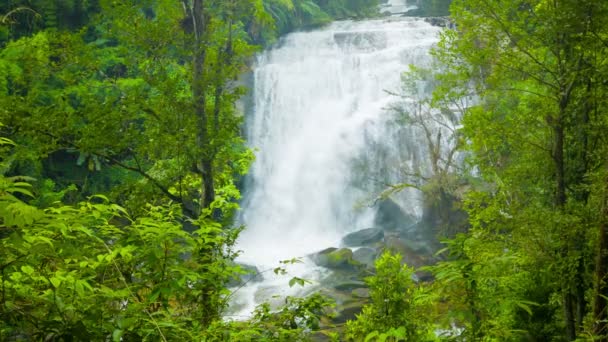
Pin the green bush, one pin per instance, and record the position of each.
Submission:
(399, 307)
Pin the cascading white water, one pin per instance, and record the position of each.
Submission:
(324, 139)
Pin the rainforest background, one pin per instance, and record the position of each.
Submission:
(122, 157)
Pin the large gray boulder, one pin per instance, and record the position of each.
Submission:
(408, 254)
(363, 237)
(390, 217)
(335, 259)
(366, 256)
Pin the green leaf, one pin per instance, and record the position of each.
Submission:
(79, 288)
(371, 336)
(56, 282)
(525, 305)
(27, 269)
(116, 335)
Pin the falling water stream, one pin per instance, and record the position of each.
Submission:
(325, 142)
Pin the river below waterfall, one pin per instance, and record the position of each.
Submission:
(325, 144)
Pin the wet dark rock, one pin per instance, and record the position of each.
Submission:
(424, 277)
(349, 285)
(420, 246)
(363, 237)
(342, 282)
(390, 217)
(366, 256)
(348, 312)
(336, 259)
(439, 21)
(360, 293)
(409, 256)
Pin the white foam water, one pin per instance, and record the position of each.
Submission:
(320, 126)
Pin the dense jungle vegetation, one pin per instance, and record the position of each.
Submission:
(121, 154)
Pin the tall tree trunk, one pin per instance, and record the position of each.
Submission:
(560, 201)
(600, 305)
(205, 164)
(198, 93)
(581, 160)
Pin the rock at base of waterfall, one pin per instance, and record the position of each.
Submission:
(390, 217)
(360, 293)
(335, 259)
(349, 285)
(408, 255)
(363, 237)
(366, 256)
(348, 312)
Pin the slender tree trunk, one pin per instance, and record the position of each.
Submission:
(560, 201)
(205, 164)
(199, 96)
(558, 157)
(569, 314)
(600, 305)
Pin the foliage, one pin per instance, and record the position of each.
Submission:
(531, 68)
(399, 307)
(426, 104)
(114, 95)
(290, 15)
(91, 272)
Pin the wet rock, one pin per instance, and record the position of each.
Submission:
(423, 277)
(439, 21)
(339, 297)
(418, 246)
(349, 285)
(321, 253)
(363, 237)
(390, 217)
(336, 259)
(365, 256)
(360, 293)
(348, 312)
(409, 255)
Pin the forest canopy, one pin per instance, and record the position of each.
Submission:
(121, 161)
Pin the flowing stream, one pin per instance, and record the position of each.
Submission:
(326, 143)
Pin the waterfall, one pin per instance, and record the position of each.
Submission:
(325, 141)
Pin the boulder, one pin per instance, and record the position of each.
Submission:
(390, 217)
(336, 259)
(365, 256)
(418, 246)
(360, 293)
(423, 277)
(348, 312)
(363, 237)
(409, 255)
(349, 285)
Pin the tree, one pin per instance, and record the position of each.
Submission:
(150, 125)
(426, 104)
(534, 65)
